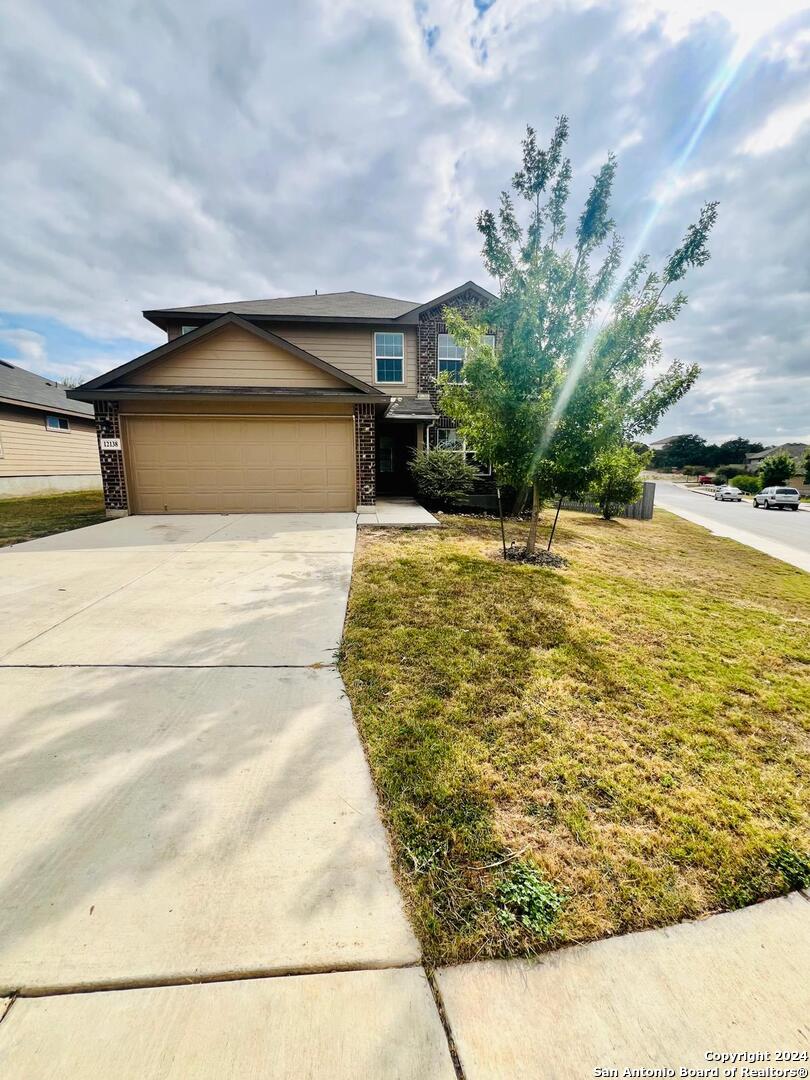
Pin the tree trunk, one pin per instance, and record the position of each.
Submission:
(531, 543)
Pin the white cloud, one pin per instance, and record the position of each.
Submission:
(779, 130)
(27, 346)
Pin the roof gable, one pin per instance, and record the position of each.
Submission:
(232, 356)
(128, 374)
(446, 298)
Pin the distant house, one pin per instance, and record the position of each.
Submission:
(795, 449)
(662, 444)
(47, 442)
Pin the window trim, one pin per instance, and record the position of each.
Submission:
(376, 358)
(62, 423)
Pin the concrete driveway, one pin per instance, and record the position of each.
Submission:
(183, 794)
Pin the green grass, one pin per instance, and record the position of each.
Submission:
(566, 755)
(28, 518)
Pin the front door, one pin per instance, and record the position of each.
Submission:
(396, 445)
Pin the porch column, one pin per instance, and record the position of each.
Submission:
(365, 453)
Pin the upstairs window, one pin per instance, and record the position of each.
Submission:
(187, 329)
(451, 356)
(389, 358)
(57, 423)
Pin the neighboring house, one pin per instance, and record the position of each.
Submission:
(662, 444)
(47, 442)
(796, 451)
(297, 403)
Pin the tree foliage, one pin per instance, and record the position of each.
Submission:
(776, 469)
(577, 369)
(806, 466)
(694, 450)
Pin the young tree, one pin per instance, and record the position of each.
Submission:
(568, 379)
(806, 466)
(776, 469)
(617, 480)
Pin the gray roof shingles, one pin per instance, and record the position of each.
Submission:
(343, 305)
(17, 384)
(405, 408)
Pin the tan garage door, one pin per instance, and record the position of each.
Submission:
(242, 464)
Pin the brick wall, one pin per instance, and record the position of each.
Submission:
(431, 324)
(365, 453)
(112, 461)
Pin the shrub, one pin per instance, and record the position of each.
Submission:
(749, 484)
(693, 470)
(617, 480)
(443, 478)
(725, 472)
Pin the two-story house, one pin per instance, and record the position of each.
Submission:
(296, 403)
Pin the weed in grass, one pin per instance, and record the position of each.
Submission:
(793, 866)
(526, 897)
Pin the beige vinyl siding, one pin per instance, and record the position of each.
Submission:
(351, 348)
(28, 448)
(233, 357)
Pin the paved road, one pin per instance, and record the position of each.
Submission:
(784, 534)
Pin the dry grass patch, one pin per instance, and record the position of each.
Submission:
(563, 755)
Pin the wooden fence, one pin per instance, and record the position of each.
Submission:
(642, 510)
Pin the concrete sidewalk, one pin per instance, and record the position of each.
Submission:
(377, 1024)
(663, 999)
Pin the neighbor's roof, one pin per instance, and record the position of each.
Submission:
(22, 387)
(795, 449)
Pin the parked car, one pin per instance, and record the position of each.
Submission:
(705, 479)
(770, 497)
(728, 493)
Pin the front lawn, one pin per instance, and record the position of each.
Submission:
(563, 755)
(41, 515)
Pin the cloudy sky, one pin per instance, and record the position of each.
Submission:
(160, 152)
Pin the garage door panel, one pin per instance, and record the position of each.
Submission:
(239, 465)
